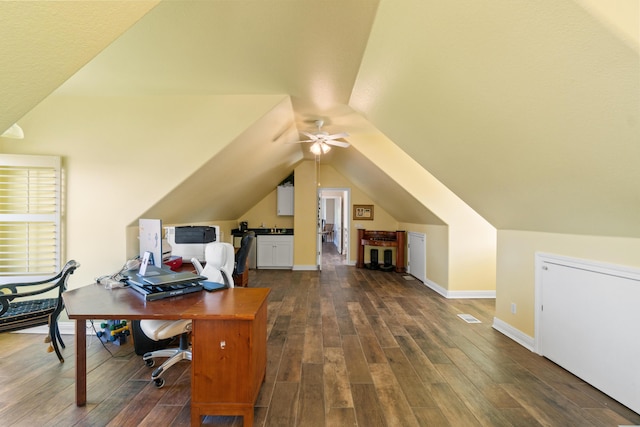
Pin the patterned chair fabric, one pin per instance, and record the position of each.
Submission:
(20, 310)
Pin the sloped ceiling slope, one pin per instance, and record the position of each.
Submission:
(308, 49)
(529, 111)
(43, 43)
(237, 177)
(383, 190)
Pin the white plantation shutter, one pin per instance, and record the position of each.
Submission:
(30, 212)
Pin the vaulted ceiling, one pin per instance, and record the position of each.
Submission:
(528, 111)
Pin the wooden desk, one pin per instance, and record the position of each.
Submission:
(229, 341)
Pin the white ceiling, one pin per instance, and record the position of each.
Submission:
(528, 111)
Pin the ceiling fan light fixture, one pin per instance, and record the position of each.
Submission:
(319, 147)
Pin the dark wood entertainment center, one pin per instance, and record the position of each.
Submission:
(395, 239)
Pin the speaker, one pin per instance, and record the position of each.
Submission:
(387, 257)
(388, 260)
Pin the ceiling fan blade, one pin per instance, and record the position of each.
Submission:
(336, 135)
(311, 136)
(338, 143)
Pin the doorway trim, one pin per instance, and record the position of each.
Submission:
(344, 195)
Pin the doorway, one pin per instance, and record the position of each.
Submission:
(333, 210)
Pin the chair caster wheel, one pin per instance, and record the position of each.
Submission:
(158, 382)
(150, 363)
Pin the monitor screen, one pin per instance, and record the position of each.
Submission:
(151, 239)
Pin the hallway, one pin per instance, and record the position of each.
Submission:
(330, 255)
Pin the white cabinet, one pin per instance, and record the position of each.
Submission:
(285, 200)
(275, 251)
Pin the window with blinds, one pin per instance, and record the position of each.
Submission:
(30, 212)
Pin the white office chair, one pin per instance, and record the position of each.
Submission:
(219, 259)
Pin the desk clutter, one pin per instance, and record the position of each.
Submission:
(160, 280)
(155, 292)
(114, 331)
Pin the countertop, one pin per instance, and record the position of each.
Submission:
(264, 231)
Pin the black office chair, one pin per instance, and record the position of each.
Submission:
(241, 269)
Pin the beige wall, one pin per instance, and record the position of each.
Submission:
(123, 154)
(129, 152)
(306, 193)
(305, 210)
(516, 273)
(304, 221)
(382, 220)
(437, 241)
(265, 212)
(471, 246)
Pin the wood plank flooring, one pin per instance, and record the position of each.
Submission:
(346, 347)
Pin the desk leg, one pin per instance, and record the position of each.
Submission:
(196, 418)
(81, 363)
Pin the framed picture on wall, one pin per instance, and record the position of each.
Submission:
(363, 212)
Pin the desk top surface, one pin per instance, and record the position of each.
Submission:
(96, 302)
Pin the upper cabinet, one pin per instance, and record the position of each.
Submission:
(285, 200)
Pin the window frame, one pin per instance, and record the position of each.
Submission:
(32, 164)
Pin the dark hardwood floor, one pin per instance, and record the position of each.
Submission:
(346, 347)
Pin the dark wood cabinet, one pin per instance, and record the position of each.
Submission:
(395, 239)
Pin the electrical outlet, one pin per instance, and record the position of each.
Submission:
(513, 308)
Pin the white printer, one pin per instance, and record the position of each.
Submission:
(189, 241)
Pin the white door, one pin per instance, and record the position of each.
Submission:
(320, 210)
(588, 316)
(337, 224)
(417, 256)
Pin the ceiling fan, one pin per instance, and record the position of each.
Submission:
(322, 140)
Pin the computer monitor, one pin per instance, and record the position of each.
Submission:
(150, 236)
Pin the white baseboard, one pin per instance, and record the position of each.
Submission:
(305, 268)
(471, 294)
(66, 328)
(515, 334)
(315, 267)
(459, 294)
(434, 286)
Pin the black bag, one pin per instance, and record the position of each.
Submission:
(195, 234)
(143, 344)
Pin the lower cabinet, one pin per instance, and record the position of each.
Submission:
(274, 251)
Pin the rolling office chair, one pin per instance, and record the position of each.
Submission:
(219, 258)
(241, 270)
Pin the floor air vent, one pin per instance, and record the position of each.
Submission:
(468, 318)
